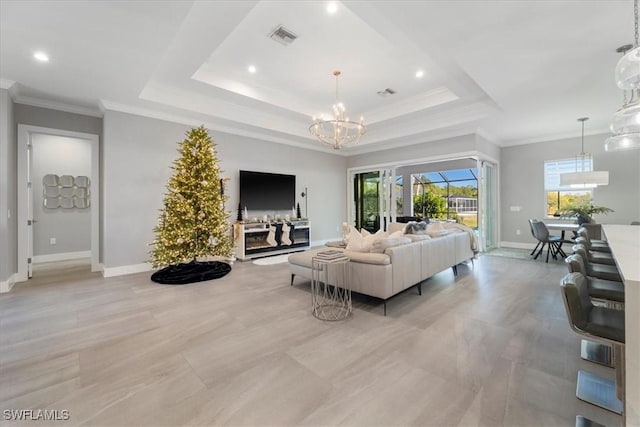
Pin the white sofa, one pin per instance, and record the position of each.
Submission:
(383, 275)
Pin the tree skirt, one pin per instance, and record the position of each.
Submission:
(194, 271)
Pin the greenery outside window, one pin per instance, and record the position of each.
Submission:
(559, 197)
(450, 195)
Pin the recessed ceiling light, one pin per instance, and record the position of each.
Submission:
(252, 69)
(419, 74)
(41, 56)
(332, 7)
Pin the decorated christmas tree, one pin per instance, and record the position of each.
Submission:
(193, 223)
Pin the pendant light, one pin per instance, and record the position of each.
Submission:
(584, 177)
(625, 125)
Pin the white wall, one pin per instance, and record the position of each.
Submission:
(8, 192)
(137, 155)
(522, 183)
(70, 227)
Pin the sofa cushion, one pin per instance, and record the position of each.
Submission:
(368, 258)
(417, 237)
(380, 245)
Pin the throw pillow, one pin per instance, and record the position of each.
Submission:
(380, 245)
(436, 229)
(416, 227)
(397, 234)
(359, 243)
(395, 226)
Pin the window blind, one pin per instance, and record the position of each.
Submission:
(554, 168)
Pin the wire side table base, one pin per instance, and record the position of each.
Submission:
(330, 301)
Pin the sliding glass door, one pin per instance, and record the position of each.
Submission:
(488, 211)
(373, 199)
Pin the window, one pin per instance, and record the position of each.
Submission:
(560, 197)
(450, 195)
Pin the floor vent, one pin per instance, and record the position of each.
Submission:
(283, 35)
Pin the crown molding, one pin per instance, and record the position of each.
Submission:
(555, 137)
(411, 140)
(185, 120)
(6, 84)
(57, 105)
(481, 132)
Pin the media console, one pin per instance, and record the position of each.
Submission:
(252, 238)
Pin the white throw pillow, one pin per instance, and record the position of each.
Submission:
(436, 229)
(380, 245)
(359, 243)
(397, 234)
(396, 226)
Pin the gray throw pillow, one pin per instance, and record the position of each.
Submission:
(414, 227)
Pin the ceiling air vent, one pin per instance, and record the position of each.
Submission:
(282, 35)
(386, 92)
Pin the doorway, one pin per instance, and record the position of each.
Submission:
(58, 197)
(373, 196)
(463, 189)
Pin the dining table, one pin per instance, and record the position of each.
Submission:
(563, 227)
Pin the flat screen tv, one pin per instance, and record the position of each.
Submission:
(261, 191)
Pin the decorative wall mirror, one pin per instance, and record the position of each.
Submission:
(65, 191)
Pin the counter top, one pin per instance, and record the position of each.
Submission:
(624, 241)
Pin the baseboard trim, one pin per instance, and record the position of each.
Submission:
(65, 256)
(5, 286)
(517, 245)
(126, 269)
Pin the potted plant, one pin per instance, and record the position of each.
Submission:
(584, 212)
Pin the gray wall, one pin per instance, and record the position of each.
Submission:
(45, 117)
(522, 183)
(137, 155)
(451, 146)
(8, 189)
(70, 227)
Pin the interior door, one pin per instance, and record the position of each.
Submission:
(30, 220)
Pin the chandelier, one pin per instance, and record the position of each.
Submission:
(584, 177)
(338, 131)
(626, 121)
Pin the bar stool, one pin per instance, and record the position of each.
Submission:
(600, 271)
(600, 324)
(594, 245)
(593, 256)
(604, 292)
(608, 292)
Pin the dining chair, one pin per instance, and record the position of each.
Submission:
(541, 232)
(531, 221)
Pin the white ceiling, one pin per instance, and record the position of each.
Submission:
(514, 71)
